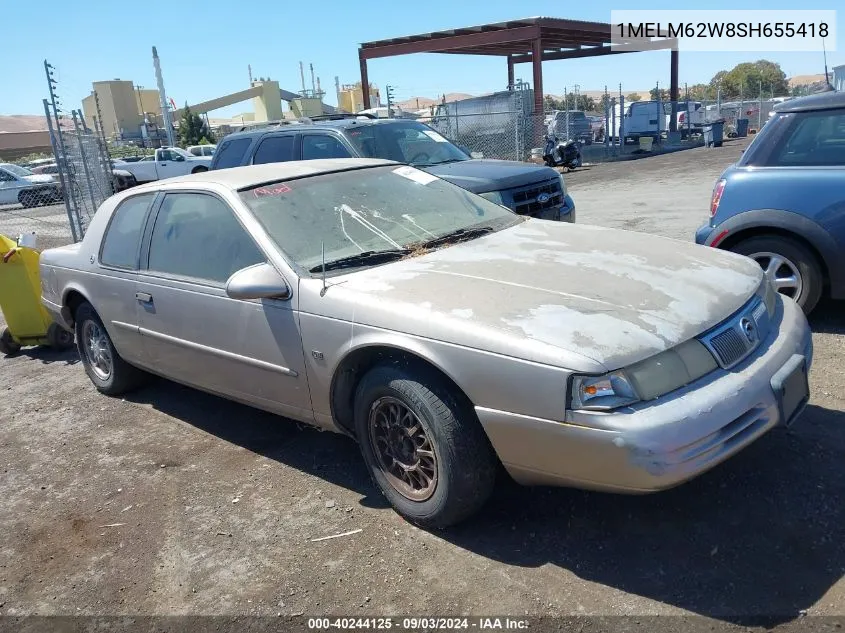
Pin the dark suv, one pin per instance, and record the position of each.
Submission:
(525, 188)
(783, 202)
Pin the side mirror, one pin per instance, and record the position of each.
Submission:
(179, 158)
(261, 281)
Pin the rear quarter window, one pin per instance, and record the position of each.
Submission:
(231, 153)
(800, 139)
(123, 234)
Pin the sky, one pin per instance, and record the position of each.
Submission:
(206, 46)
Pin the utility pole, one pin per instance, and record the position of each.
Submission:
(165, 108)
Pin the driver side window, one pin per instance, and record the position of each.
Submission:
(6, 176)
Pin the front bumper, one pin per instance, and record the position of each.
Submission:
(563, 213)
(659, 444)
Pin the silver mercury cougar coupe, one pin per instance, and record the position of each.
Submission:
(441, 331)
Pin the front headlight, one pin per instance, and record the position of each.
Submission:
(646, 380)
(493, 196)
(602, 393)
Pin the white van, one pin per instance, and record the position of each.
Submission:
(642, 118)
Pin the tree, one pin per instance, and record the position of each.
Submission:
(749, 78)
(634, 96)
(699, 92)
(654, 94)
(192, 128)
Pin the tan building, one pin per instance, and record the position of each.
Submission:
(350, 98)
(121, 107)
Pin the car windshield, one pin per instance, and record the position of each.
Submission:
(367, 210)
(17, 170)
(405, 142)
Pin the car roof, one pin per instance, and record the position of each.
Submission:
(820, 101)
(242, 177)
(337, 124)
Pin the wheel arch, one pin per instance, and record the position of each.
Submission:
(360, 359)
(786, 224)
(72, 298)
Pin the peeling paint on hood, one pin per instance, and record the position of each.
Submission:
(554, 292)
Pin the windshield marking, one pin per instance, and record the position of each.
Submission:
(410, 218)
(343, 228)
(274, 190)
(345, 208)
(378, 216)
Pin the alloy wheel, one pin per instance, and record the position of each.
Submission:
(402, 449)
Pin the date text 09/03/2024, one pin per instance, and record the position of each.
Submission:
(721, 29)
(418, 623)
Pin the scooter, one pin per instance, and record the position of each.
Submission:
(566, 154)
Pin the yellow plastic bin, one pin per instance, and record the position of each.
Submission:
(27, 322)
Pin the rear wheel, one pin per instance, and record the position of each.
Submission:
(8, 345)
(423, 445)
(793, 270)
(110, 374)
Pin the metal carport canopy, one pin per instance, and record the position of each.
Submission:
(526, 40)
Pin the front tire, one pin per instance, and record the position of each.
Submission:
(423, 445)
(199, 170)
(789, 265)
(27, 199)
(110, 374)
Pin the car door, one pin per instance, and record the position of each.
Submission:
(9, 187)
(169, 164)
(317, 145)
(276, 148)
(249, 350)
(113, 292)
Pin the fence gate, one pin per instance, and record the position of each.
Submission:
(83, 165)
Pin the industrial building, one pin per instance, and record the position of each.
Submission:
(120, 107)
(350, 98)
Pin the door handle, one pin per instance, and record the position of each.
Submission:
(144, 297)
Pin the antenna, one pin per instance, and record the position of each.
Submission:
(302, 78)
(824, 52)
(313, 87)
(249, 67)
(323, 266)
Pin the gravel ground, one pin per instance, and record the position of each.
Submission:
(175, 502)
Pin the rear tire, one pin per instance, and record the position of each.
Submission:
(8, 345)
(423, 445)
(797, 262)
(110, 374)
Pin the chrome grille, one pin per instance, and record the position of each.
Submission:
(740, 335)
(730, 347)
(525, 199)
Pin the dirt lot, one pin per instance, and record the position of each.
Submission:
(176, 502)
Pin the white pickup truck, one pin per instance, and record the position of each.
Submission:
(166, 163)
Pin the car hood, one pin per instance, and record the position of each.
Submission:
(39, 178)
(483, 175)
(575, 296)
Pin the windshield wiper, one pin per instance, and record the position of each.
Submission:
(460, 235)
(440, 162)
(362, 259)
